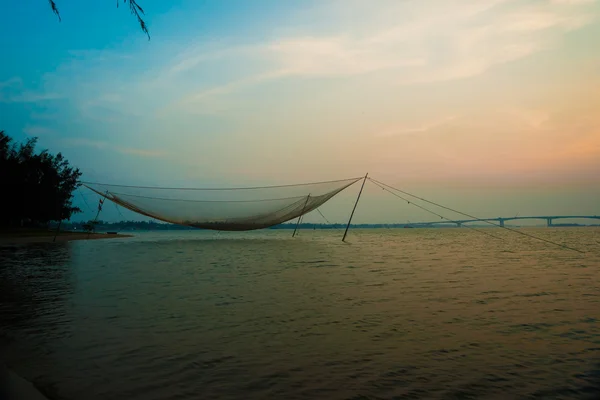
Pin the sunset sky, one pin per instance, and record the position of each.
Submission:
(492, 106)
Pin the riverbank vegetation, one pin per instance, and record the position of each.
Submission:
(38, 186)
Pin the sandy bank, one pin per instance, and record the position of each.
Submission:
(13, 387)
(48, 237)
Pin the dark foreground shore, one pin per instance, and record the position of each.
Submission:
(45, 236)
(13, 387)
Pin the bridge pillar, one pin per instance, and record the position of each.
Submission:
(459, 224)
(549, 221)
(501, 222)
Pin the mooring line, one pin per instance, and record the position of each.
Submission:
(326, 220)
(432, 212)
(84, 200)
(380, 184)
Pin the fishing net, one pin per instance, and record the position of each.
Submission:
(223, 209)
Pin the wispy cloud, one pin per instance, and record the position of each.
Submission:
(102, 145)
(404, 130)
(505, 141)
(417, 42)
(33, 130)
(196, 55)
(46, 116)
(33, 97)
(141, 152)
(14, 91)
(14, 81)
(572, 2)
(412, 43)
(532, 119)
(337, 56)
(75, 141)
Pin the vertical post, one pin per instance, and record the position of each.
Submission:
(354, 209)
(300, 217)
(57, 231)
(59, 222)
(100, 203)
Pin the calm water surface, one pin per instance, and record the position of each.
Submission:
(395, 314)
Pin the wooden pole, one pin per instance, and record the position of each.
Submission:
(300, 217)
(100, 204)
(354, 209)
(59, 222)
(57, 231)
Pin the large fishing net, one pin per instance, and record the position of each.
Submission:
(223, 209)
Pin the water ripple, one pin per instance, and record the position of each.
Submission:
(399, 314)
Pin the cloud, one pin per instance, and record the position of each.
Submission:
(197, 55)
(411, 43)
(32, 130)
(74, 141)
(531, 119)
(503, 142)
(140, 152)
(14, 81)
(45, 116)
(335, 57)
(414, 42)
(33, 97)
(585, 147)
(13, 91)
(573, 2)
(102, 145)
(403, 129)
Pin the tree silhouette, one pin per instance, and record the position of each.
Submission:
(38, 187)
(134, 7)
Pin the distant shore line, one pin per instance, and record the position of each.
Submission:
(48, 236)
(142, 226)
(19, 236)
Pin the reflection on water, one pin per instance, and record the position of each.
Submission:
(397, 314)
(35, 282)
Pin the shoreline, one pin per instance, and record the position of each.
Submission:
(25, 237)
(14, 387)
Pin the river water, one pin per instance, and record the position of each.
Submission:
(394, 314)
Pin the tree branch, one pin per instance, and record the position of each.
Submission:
(54, 9)
(134, 7)
(138, 12)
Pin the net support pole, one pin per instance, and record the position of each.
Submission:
(57, 231)
(100, 204)
(355, 204)
(300, 217)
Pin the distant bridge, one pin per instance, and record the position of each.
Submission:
(502, 220)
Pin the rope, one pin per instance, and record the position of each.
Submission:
(326, 220)
(234, 188)
(121, 215)
(433, 212)
(301, 215)
(475, 218)
(85, 201)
